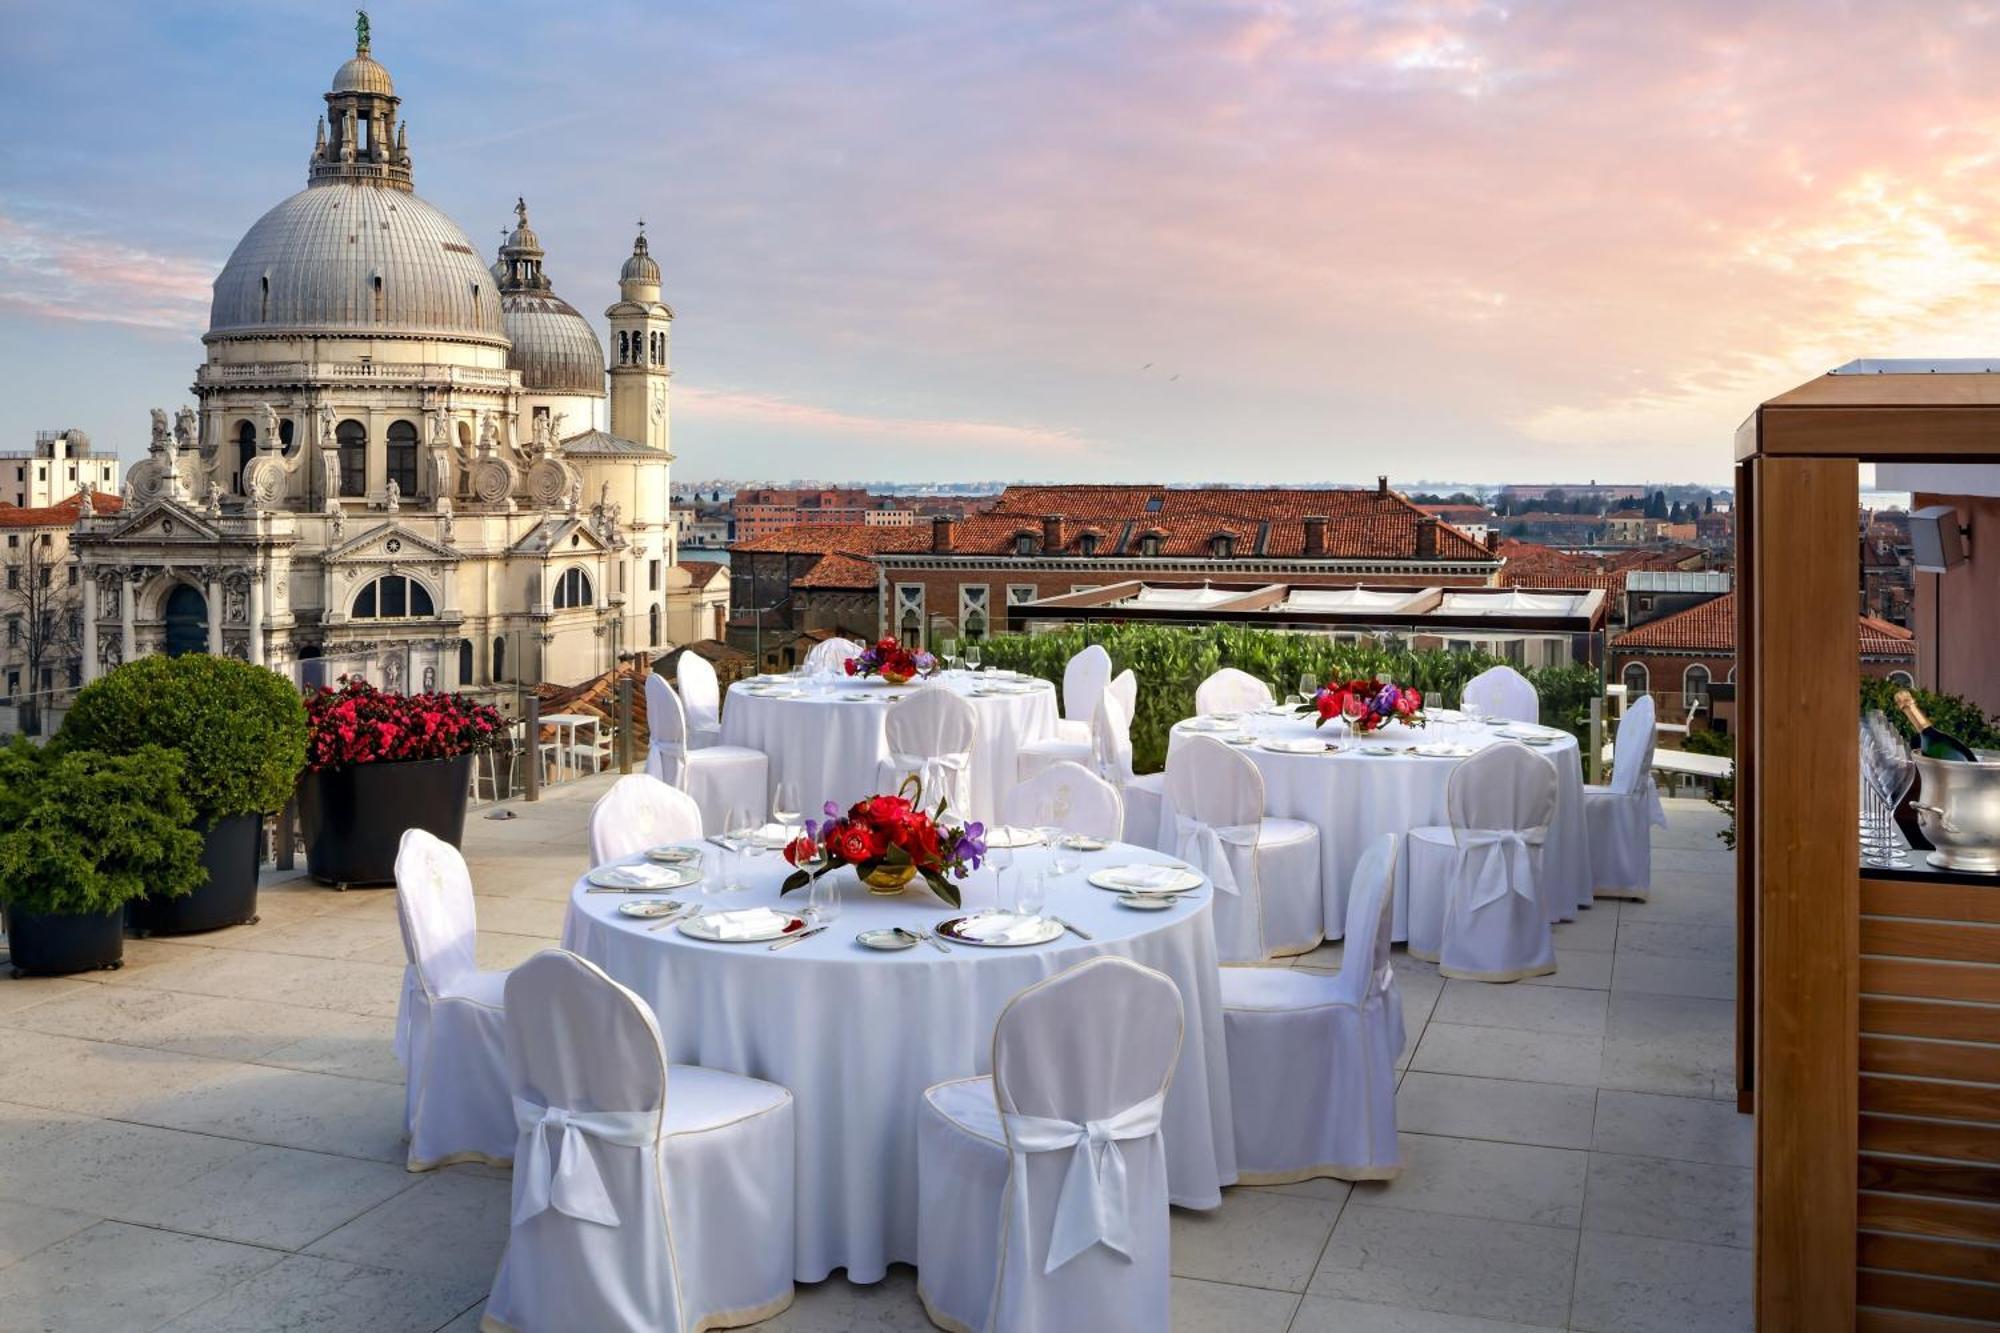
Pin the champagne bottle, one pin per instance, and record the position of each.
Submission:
(1931, 742)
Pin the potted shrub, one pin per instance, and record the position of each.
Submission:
(82, 833)
(240, 731)
(377, 764)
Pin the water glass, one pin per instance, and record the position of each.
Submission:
(1034, 895)
(736, 828)
(823, 898)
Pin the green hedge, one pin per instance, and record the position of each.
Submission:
(82, 832)
(1950, 713)
(1171, 660)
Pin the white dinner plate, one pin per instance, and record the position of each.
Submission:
(1209, 723)
(1000, 930)
(1120, 879)
(1238, 738)
(643, 876)
(1281, 745)
(1444, 750)
(1011, 835)
(648, 907)
(671, 855)
(888, 941)
(749, 925)
(1083, 842)
(1146, 902)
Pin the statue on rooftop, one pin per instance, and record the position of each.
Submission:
(161, 441)
(361, 30)
(187, 428)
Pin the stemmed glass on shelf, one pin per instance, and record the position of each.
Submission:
(1887, 772)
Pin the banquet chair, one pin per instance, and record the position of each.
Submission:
(1504, 692)
(1312, 1057)
(1476, 906)
(701, 700)
(1070, 797)
(1084, 678)
(639, 812)
(1265, 871)
(1042, 1188)
(1618, 816)
(1231, 691)
(931, 734)
(830, 655)
(1144, 795)
(450, 1017)
(647, 1197)
(720, 778)
(1125, 686)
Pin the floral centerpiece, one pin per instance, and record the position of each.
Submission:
(889, 840)
(359, 724)
(893, 662)
(1380, 702)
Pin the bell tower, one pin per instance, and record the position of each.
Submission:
(640, 324)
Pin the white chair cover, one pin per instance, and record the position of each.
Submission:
(1620, 814)
(1070, 797)
(830, 655)
(1111, 748)
(1231, 691)
(1265, 871)
(1084, 678)
(646, 1197)
(1504, 692)
(701, 697)
(450, 1018)
(1312, 1058)
(720, 778)
(1071, 743)
(1476, 904)
(931, 734)
(1125, 688)
(1042, 1190)
(639, 812)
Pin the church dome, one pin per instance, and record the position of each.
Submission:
(555, 349)
(346, 255)
(641, 267)
(363, 75)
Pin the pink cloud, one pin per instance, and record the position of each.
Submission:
(55, 275)
(812, 421)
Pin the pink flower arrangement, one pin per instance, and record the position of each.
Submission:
(359, 724)
(1379, 703)
(892, 662)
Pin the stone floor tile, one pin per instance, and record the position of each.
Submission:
(536, 917)
(1530, 1008)
(268, 1196)
(101, 1166)
(1671, 1044)
(96, 1078)
(1219, 1307)
(1328, 1314)
(111, 1277)
(28, 1227)
(1696, 902)
(499, 952)
(288, 1108)
(468, 1322)
(1581, 969)
(353, 1045)
(316, 983)
(18, 993)
(1678, 939)
(327, 1296)
(1693, 1129)
(1636, 1284)
(1330, 1191)
(1510, 1182)
(1656, 974)
(24, 1130)
(1550, 1115)
(1453, 1265)
(888, 1306)
(1658, 1196)
(322, 935)
(449, 1225)
(1540, 1057)
(1595, 927)
(1255, 1239)
(222, 1029)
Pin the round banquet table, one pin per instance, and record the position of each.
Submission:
(1351, 796)
(831, 743)
(857, 1035)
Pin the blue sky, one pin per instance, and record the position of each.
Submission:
(1075, 240)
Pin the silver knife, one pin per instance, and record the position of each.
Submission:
(933, 940)
(1076, 930)
(794, 939)
(678, 914)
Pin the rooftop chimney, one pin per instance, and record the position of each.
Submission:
(944, 531)
(1382, 485)
(1315, 535)
(1052, 533)
(1427, 537)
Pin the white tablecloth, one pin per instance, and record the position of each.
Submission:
(858, 1035)
(831, 744)
(1352, 797)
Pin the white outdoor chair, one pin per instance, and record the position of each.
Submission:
(1476, 906)
(1312, 1058)
(1042, 1190)
(1084, 678)
(1231, 691)
(931, 734)
(648, 1197)
(830, 655)
(1125, 688)
(639, 812)
(701, 700)
(1504, 692)
(1111, 747)
(449, 1021)
(1265, 871)
(1066, 796)
(720, 778)
(1619, 816)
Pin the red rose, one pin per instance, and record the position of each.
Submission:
(855, 843)
(800, 849)
(1327, 704)
(850, 666)
(884, 812)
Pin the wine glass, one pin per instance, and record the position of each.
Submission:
(1353, 708)
(786, 809)
(737, 826)
(947, 651)
(823, 898)
(1308, 687)
(972, 656)
(1890, 771)
(1002, 861)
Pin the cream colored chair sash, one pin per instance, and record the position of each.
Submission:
(570, 1182)
(1093, 1208)
(941, 774)
(1201, 845)
(1511, 871)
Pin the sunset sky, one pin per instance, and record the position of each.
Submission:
(1070, 240)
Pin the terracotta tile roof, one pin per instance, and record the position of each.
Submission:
(838, 570)
(857, 539)
(1711, 628)
(702, 571)
(1532, 565)
(57, 515)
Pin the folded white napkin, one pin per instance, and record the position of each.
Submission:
(1147, 877)
(745, 924)
(641, 876)
(771, 835)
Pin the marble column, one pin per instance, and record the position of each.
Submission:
(89, 624)
(128, 613)
(214, 614)
(256, 616)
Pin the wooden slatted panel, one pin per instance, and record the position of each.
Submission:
(1935, 902)
(1970, 1062)
(1919, 979)
(1935, 1258)
(1894, 1136)
(1905, 1321)
(1940, 1019)
(1902, 1291)
(1909, 1215)
(1958, 941)
(1949, 1180)
(1930, 1097)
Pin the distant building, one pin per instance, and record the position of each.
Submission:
(1475, 521)
(1515, 496)
(41, 610)
(60, 465)
(817, 576)
(760, 511)
(1553, 529)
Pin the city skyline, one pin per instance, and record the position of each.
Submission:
(1244, 243)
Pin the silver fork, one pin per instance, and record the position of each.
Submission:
(680, 912)
(933, 940)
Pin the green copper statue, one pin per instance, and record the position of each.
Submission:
(361, 31)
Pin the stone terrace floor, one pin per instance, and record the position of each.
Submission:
(209, 1139)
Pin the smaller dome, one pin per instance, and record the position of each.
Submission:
(640, 267)
(363, 75)
(554, 347)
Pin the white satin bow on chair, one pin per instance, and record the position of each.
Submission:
(939, 773)
(1511, 871)
(1202, 845)
(667, 761)
(570, 1182)
(1093, 1208)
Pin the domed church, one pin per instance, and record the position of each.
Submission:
(401, 461)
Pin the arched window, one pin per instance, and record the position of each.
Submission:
(1636, 682)
(393, 597)
(1694, 686)
(352, 437)
(624, 347)
(1902, 678)
(465, 661)
(499, 658)
(246, 449)
(572, 589)
(653, 625)
(403, 458)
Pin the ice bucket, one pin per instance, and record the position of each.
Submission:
(1958, 808)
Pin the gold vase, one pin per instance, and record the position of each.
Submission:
(887, 881)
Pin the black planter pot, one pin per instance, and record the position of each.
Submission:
(55, 944)
(354, 817)
(229, 898)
